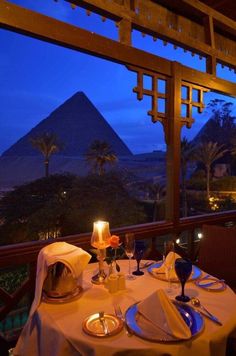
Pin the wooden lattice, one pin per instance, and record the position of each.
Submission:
(156, 112)
(189, 102)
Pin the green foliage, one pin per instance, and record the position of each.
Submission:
(221, 124)
(225, 184)
(197, 181)
(99, 155)
(10, 280)
(101, 198)
(198, 204)
(64, 205)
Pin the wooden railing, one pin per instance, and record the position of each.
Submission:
(26, 253)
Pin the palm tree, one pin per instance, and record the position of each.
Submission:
(186, 156)
(47, 143)
(157, 192)
(207, 153)
(98, 155)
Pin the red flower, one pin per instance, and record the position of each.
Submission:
(114, 241)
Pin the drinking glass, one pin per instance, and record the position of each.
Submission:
(169, 246)
(138, 254)
(183, 269)
(129, 250)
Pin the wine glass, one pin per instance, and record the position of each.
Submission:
(183, 269)
(129, 250)
(138, 254)
(169, 246)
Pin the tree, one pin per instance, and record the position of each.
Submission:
(207, 153)
(100, 154)
(34, 208)
(221, 126)
(186, 156)
(64, 205)
(47, 143)
(157, 192)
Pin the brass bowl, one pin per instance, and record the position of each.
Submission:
(59, 281)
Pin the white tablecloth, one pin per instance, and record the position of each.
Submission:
(56, 329)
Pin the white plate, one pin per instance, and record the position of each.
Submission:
(92, 325)
(196, 273)
(140, 327)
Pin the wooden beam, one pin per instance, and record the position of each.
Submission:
(155, 29)
(27, 22)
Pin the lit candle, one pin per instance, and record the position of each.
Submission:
(100, 227)
(101, 234)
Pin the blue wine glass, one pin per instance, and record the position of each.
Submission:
(183, 269)
(138, 254)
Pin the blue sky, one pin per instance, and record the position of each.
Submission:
(36, 77)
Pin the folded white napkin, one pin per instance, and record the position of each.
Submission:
(168, 266)
(160, 311)
(75, 258)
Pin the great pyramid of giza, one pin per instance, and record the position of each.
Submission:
(77, 123)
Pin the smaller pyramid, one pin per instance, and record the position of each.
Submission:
(77, 123)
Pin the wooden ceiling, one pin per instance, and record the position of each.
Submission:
(226, 7)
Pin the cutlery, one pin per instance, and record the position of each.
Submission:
(103, 322)
(196, 303)
(120, 315)
(147, 264)
(213, 282)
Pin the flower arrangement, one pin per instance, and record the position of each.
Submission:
(114, 252)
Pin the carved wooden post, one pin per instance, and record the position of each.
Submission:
(173, 146)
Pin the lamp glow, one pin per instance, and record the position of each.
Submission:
(100, 239)
(101, 234)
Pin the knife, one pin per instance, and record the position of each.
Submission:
(103, 322)
(209, 316)
(120, 315)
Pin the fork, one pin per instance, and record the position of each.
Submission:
(103, 322)
(120, 315)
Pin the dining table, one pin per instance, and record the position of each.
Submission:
(57, 329)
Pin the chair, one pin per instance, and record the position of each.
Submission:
(217, 253)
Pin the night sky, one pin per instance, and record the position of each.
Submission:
(36, 77)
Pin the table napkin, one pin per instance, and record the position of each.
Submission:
(169, 261)
(161, 312)
(75, 258)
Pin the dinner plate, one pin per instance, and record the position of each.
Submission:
(211, 284)
(196, 273)
(67, 298)
(93, 326)
(142, 328)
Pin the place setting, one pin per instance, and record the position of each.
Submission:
(164, 270)
(211, 284)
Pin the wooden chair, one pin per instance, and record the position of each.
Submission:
(217, 253)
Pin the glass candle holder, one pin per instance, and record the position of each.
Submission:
(100, 240)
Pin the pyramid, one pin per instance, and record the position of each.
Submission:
(77, 123)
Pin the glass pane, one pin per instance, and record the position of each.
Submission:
(161, 85)
(147, 82)
(210, 140)
(195, 95)
(184, 92)
(161, 105)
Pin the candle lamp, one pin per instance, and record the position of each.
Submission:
(100, 240)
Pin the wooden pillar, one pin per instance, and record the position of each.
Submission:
(125, 32)
(210, 40)
(173, 146)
